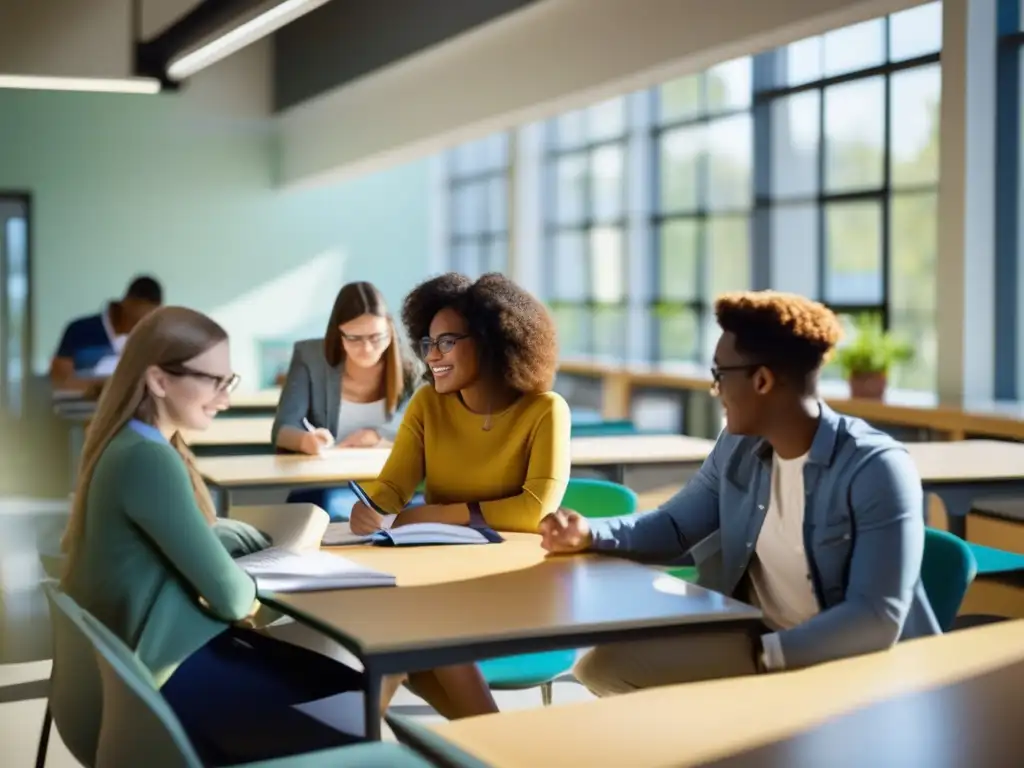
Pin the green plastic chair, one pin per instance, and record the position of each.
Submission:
(139, 728)
(76, 695)
(947, 570)
(591, 498)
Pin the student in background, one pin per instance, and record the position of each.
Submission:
(143, 556)
(350, 386)
(814, 516)
(492, 434)
(97, 340)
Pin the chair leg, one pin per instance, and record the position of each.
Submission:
(44, 738)
(546, 692)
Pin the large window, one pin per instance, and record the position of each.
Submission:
(850, 189)
(478, 206)
(586, 228)
(703, 145)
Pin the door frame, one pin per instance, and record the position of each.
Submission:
(24, 197)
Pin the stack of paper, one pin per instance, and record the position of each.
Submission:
(280, 570)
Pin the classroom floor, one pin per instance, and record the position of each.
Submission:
(25, 526)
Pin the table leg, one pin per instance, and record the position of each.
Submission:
(372, 702)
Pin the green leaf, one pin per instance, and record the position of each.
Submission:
(872, 350)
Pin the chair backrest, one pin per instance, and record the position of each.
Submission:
(76, 694)
(947, 570)
(139, 727)
(599, 498)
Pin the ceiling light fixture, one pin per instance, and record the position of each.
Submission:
(248, 32)
(90, 84)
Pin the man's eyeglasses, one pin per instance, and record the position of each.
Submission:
(222, 383)
(718, 370)
(444, 343)
(373, 339)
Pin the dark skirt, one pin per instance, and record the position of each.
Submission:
(237, 698)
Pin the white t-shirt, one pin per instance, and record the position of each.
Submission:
(355, 416)
(779, 573)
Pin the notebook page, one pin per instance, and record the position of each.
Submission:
(278, 570)
(296, 527)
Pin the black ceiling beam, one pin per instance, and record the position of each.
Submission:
(154, 55)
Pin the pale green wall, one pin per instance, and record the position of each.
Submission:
(128, 184)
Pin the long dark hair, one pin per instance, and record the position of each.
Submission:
(355, 300)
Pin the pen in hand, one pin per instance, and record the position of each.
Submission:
(324, 436)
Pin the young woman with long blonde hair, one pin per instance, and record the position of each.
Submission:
(144, 558)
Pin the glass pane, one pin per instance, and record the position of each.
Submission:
(914, 126)
(570, 267)
(680, 99)
(573, 322)
(730, 145)
(913, 240)
(570, 129)
(795, 142)
(679, 255)
(921, 373)
(794, 249)
(497, 204)
(853, 273)
(858, 46)
(497, 256)
(607, 264)
(570, 189)
(728, 255)
(855, 134)
(678, 336)
(915, 32)
(729, 85)
(14, 248)
(608, 187)
(468, 208)
(464, 159)
(466, 258)
(680, 157)
(609, 329)
(607, 120)
(495, 151)
(802, 61)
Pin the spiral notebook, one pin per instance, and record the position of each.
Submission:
(417, 534)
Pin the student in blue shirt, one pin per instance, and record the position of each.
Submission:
(814, 516)
(89, 340)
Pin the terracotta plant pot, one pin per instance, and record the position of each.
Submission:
(869, 386)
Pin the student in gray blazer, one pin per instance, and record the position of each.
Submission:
(346, 390)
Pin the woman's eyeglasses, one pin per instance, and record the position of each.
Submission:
(444, 343)
(373, 339)
(222, 383)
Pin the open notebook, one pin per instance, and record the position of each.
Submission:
(295, 563)
(417, 534)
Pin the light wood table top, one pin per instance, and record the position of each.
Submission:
(687, 725)
(468, 597)
(233, 431)
(968, 461)
(341, 465)
(256, 399)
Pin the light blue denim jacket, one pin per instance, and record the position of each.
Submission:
(863, 535)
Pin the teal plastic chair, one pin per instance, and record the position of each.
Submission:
(139, 728)
(591, 498)
(603, 428)
(947, 570)
(76, 695)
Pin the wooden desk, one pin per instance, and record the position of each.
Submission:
(459, 605)
(697, 724)
(239, 431)
(611, 454)
(263, 401)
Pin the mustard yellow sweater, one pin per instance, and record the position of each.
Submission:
(517, 470)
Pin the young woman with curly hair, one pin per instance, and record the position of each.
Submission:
(489, 436)
(812, 515)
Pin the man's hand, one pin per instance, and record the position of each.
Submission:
(565, 532)
(361, 438)
(364, 520)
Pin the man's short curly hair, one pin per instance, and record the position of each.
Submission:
(515, 334)
(787, 332)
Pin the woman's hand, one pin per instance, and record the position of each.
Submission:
(363, 520)
(316, 442)
(361, 438)
(565, 531)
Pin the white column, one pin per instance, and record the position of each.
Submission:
(528, 225)
(965, 272)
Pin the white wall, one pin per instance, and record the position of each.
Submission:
(181, 185)
(551, 56)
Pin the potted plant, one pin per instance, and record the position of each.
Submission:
(866, 360)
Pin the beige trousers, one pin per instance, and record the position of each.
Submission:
(624, 667)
